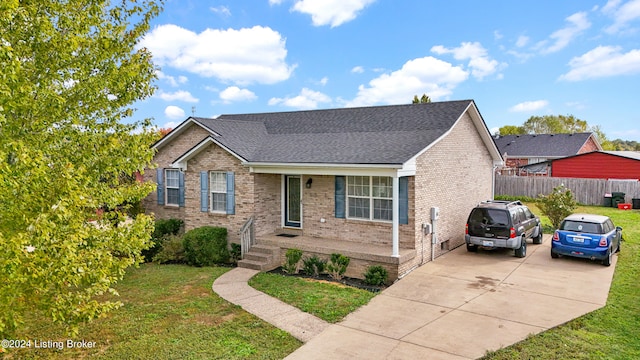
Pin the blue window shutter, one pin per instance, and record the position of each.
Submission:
(160, 185)
(204, 191)
(181, 188)
(404, 200)
(340, 196)
(231, 193)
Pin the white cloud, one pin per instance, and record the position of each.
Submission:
(622, 15)
(308, 99)
(248, 55)
(221, 10)
(275, 2)
(497, 35)
(479, 62)
(180, 95)
(426, 75)
(333, 12)
(170, 125)
(357, 70)
(171, 79)
(324, 81)
(522, 41)
(529, 106)
(603, 61)
(174, 112)
(234, 93)
(578, 23)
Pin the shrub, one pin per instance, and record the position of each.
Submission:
(162, 229)
(557, 205)
(313, 266)
(206, 246)
(514, 198)
(292, 262)
(236, 252)
(171, 252)
(376, 275)
(337, 266)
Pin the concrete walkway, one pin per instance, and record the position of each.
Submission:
(232, 286)
(457, 307)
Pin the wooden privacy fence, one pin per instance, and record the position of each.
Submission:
(585, 191)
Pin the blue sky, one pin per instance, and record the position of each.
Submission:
(516, 59)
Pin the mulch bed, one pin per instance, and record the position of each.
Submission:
(348, 281)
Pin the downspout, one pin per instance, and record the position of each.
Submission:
(395, 204)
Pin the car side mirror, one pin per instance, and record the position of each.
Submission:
(618, 228)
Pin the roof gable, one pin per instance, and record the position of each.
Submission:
(542, 145)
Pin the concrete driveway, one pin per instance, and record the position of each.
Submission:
(464, 304)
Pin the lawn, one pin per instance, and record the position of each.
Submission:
(170, 312)
(327, 300)
(608, 333)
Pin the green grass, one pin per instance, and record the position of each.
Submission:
(607, 333)
(170, 312)
(326, 300)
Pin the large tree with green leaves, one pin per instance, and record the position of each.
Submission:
(70, 71)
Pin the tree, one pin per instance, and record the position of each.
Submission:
(422, 100)
(557, 205)
(69, 72)
(511, 130)
(554, 124)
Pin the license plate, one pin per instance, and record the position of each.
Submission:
(578, 240)
(487, 243)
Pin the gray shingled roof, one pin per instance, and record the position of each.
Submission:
(541, 145)
(368, 135)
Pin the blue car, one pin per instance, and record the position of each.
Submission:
(587, 236)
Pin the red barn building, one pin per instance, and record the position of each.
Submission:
(599, 165)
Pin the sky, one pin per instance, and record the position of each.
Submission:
(515, 59)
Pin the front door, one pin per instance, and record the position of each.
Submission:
(293, 201)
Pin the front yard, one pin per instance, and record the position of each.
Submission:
(170, 312)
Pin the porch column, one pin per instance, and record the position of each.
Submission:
(396, 217)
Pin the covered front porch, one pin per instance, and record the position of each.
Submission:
(362, 255)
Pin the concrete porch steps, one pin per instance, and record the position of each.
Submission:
(261, 258)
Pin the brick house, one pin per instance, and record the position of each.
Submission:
(358, 181)
(525, 150)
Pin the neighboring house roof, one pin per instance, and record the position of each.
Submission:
(635, 155)
(542, 145)
(391, 134)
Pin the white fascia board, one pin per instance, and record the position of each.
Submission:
(182, 161)
(324, 169)
(179, 130)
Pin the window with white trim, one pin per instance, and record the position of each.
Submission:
(172, 186)
(370, 197)
(218, 190)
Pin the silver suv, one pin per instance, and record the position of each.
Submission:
(502, 224)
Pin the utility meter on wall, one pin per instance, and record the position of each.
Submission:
(435, 213)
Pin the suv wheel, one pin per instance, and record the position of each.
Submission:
(472, 248)
(538, 239)
(522, 250)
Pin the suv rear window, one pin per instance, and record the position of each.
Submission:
(580, 226)
(490, 216)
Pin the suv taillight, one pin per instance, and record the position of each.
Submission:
(466, 229)
(603, 241)
(512, 233)
(556, 237)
